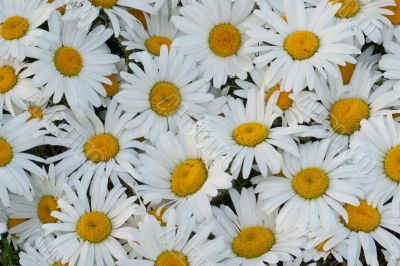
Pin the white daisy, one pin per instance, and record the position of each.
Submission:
(16, 136)
(176, 243)
(38, 253)
(179, 171)
(19, 27)
(394, 18)
(251, 234)
(388, 62)
(47, 190)
(301, 47)
(88, 230)
(93, 146)
(214, 33)
(76, 64)
(313, 187)
(167, 93)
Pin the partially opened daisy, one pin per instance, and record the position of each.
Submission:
(214, 34)
(177, 243)
(251, 234)
(18, 135)
(313, 187)
(19, 27)
(167, 93)
(248, 133)
(76, 64)
(88, 230)
(94, 146)
(388, 62)
(178, 171)
(367, 226)
(47, 190)
(300, 47)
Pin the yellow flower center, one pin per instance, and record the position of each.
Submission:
(165, 98)
(172, 258)
(6, 152)
(188, 177)
(224, 40)
(347, 114)
(301, 45)
(46, 205)
(14, 28)
(139, 15)
(320, 246)
(113, 88)
(101, 148)
(36, 112)
(154, 43)
(159, 216)
(253, 242)
(347, 72)
(8, 79)
(62, 9)
(349, 8)
(392, 164)
(94, 227)
(310, 183)
(250, 134)
(68, 61)
(104, 3)
(364, 217)
(395, 18)
(57, 263)
(284, 101)
(13, 222)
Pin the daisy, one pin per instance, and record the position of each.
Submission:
(48, 189)
(388, 62)
(247, 133)
(251, 234)
(16, 86)
(214, 34)
(314, 186)
(20, 21)
(167, 93)
(367, 226)
(38, 254)
(116, 80)
(394, 19)
(88, 230)
(94, 146)
(175, 244)
(380, 139)
(75, 65)
(302, 47)
(16, 136)
(179, 171)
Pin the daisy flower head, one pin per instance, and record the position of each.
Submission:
(214, 34)
(165, 95)
(176, 243)
(88, 230)
(116, 81)
(251, 234)
(38, 253)
(300, 48)
(19, 27)
(47, 190)
(96, 148)
(18, 135)
(178, 171)
(394, 19)
(313, 187)
(75, 65)
(388, 62)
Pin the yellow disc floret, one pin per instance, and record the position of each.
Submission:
(139, 15)
(113, 88)
(320, 246)
(58, 263)
(347, 72)
(253, 242)
(301, 45)
(165, 98)
(101, 148)
(392, 164)
(364, 217)
(6, 152)
(349, 8)
(46, 205)
(395, 18)
(154, 43)
(94, 227)
(12, 222)
(224, 40)
(36, 112)
(188, 177)
(68, 61)
(310, 183)
(158, 214)
(14, 28)
(8, 79)
(284, 101)
(172, 258)
(250, 134)
(347, 114)
(104, 3)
